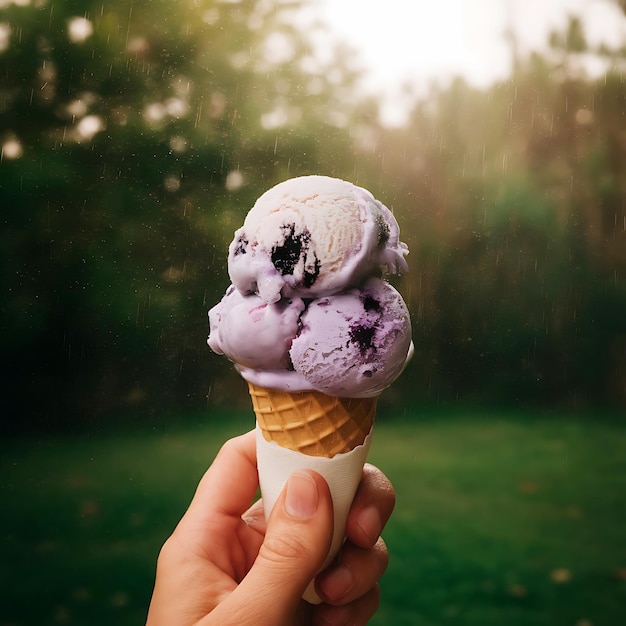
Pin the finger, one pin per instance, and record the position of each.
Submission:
(297, 540)
(229, 485)
(357, 613)
(193, 561)
(354, 574)
(373, 504)
(254, 517)
(370, 511)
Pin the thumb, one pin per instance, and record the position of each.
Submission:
(297, 541)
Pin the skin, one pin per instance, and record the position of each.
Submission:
(225, 565)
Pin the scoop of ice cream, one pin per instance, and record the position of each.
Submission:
(351, 344)
(354, 344)
(313, 236)
(251, 332)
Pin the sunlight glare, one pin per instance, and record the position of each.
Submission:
(11, 149)
(5, 36)
(79, 29)
(404, 47)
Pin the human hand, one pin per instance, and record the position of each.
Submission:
(225, 565)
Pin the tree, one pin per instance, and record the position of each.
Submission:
(132, 147)
(512, 202)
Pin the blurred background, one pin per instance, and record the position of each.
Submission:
(134, 142)
(135, 136)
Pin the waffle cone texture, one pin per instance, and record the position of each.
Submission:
(311, 422)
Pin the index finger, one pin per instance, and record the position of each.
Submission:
(372, 506)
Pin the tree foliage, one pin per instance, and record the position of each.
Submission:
(517, 198)
(128, 130)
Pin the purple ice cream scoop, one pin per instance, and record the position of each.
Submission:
(313, 236)
(252, 333)
(354, 344)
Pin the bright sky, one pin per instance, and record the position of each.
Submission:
(416, 41)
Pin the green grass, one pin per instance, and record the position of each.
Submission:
(501, 520)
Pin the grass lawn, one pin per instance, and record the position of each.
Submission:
(501, 520)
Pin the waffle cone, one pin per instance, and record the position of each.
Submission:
(312, 422)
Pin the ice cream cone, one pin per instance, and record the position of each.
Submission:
(312, 422)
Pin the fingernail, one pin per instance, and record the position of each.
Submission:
(302, 497)
(370, 523)
(255, 516)
(337, 583)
